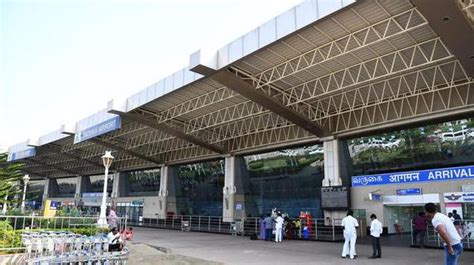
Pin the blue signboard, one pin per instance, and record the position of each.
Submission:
(53, 205)
(431, 175)
(98, 129)
(414, 191)
(375, 197)
(28, 152)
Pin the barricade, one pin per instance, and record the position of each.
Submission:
(431, 238)
(12, 228)
(60, 247)
(318, 229)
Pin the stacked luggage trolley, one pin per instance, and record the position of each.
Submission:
(54, 247)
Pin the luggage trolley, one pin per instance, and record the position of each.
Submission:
(237, 228)
(52, 247)
(185, 226)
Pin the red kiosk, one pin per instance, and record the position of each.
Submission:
(306, 224)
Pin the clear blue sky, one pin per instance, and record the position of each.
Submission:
(63, 60)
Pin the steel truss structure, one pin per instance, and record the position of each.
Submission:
(374, 65)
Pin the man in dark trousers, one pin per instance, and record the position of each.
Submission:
(420, 229)
(458, 222)
(375, 232)
(268, 227)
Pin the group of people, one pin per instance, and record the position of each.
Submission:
(419, 227)
(283, 226)
(116, 237)
(443, 225)
(268, 224)
(350, 225)
(457, 221)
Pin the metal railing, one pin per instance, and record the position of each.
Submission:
(318, 229)
(11, 227)
(431, 238)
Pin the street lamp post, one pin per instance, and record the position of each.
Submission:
(26, 179)
(107, 160)
(4, 210)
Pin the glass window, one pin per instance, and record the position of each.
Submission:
(199, 189)
(34, 193)
(289, 180)
(468, 211)
(143, 182)
(97, 183)
(440, 145)
(66, 187)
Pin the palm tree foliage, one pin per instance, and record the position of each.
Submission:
(10, 179)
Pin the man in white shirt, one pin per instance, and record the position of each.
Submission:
(279, 227)
(350, 225)
(115, 240)
(375, 232)
(447, 231)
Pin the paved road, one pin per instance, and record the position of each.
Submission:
(141, 254)
(237, 250)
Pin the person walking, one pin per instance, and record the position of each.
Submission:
(420, 230)
(375, 232)
(279, 228)
(448, 233)
(350, 225)
(268, 227)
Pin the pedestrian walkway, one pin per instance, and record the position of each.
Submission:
(228, 249)
(141, 254)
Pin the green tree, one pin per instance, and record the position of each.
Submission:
(10, 176)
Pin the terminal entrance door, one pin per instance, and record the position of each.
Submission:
(132, 210)
(400, 217)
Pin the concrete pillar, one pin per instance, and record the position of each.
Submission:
(78, 192)
(337, 169)
(50, 189)
(123, 185)
(163, 192)
(167, 192)
(117, 183)
(82, 185)
(229, 190)
(46, 189)
(331, 164)
(236, 202)
(53, 188)
(45, 192)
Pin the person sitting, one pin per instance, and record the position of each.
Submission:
(115, 240)
(128, 234)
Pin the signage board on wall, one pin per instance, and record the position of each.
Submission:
(92, 198)
(98, 129)
(431, 175)
(413, 191)
(468, 188)
(28, 152)
(138, 202)
(461, 197)
(336, 197)
(375, 197)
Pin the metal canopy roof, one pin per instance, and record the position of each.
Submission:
(370, 66)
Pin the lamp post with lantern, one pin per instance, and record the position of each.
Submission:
(4, 209)
(26, 179)
(107, 161)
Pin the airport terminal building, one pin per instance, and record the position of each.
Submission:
(331, 105)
